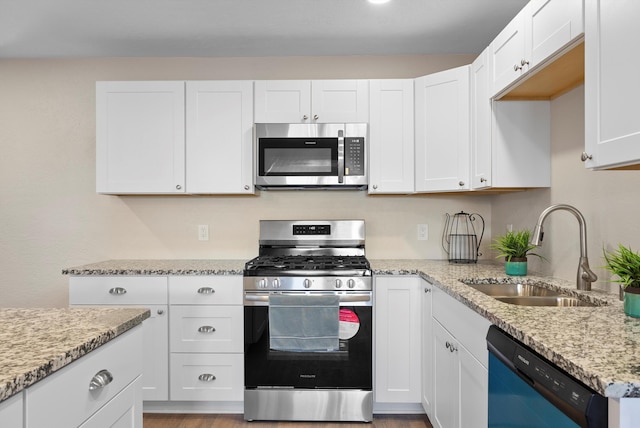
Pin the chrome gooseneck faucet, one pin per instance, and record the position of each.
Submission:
(585, 274)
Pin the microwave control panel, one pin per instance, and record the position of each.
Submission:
(354, 156)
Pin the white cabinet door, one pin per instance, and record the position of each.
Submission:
(427, 348)
(551, 25)
(140, 137)
(282, 101)
(123, 411)
(11, 412)
(391, 136)
(509, 54)
(612, 128)
(219, 137)
(446, 379)
(317, 101)
(481, 122)
(397, 340)
(155, 375)
(474, 387)
(442, 131)
(340, 101)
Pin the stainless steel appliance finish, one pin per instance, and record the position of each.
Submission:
(309, 258)
(311, 156)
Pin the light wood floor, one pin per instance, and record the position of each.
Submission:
(237, 421)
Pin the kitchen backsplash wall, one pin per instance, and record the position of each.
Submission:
(52, 218)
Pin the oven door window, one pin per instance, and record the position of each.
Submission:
(348, 367)
(298, 157)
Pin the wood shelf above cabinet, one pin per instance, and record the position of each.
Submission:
(553, 78)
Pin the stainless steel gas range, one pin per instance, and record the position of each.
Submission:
(308, 323)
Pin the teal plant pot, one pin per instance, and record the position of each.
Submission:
(632, 302)
(516, 267)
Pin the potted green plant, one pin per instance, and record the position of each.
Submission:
(514, 247)
(625, 264)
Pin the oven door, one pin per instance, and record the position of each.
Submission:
(350, 367)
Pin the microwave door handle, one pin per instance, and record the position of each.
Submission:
(340, 156)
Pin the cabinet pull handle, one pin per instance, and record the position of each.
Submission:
(305, 117)
(207, 377)
(427, 290)
(100, 380)
(206, 329)
(450, 347)
(483, 180)
(585, 157)
(517, 67)
(206, 290)
(116, 291)
(524, 62)
(316, 117)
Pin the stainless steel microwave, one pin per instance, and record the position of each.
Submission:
(311, 156)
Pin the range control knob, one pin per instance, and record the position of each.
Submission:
(276, 283)
(262, 283)
(338, 283)
(307, 283)
(351, 283)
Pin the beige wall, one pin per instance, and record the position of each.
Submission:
(607, 199)
(51, 217)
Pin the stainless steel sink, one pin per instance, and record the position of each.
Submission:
(529, 294)
(544, 301)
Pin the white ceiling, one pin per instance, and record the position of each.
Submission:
(241, 28)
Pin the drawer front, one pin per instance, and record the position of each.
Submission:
(205, 290)
(467, 326)
(118, 290)
(65, 397)
(206, 328)
(124, 411)
(207, 377)
(11, 412)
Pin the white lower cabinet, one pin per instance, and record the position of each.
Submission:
(207, 338)
(460, 364)
(427, 348)
(72, 397)
(397, 339)
(11, 412)
(146, 291)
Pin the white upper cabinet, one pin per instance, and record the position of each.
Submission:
(442, 131)
(510, 140)
(140, 137)
(160, 138)
(539, 31)
(317, 101)
(219, 137)
(612, 128)
(391, 136)
(481, 122)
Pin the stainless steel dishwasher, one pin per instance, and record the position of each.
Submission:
(526, 390)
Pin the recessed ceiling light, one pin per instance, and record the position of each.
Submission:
(378, 1)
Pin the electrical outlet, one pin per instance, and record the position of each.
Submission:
(423, 232)
(203, 232)
(509, 228)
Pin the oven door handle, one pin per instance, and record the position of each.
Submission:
(344, 298)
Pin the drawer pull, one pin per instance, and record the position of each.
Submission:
(206, 290)
(100, 380)
(206, 329)
(207, 377)
(116, 291)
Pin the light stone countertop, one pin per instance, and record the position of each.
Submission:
(37, 342)
(597, 345)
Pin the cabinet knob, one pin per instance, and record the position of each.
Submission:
(207, 377)
(305, 117)
(246, 187)
(517, 67)
(483, 180)
(427, 290)
(116, 291)
(100, 380)
(585, 157)
(375, 186)
(461, 183)
(524, 62)
(315, 117)
(178, 187)
(206, 329)
(206, 290)
(160, 311)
